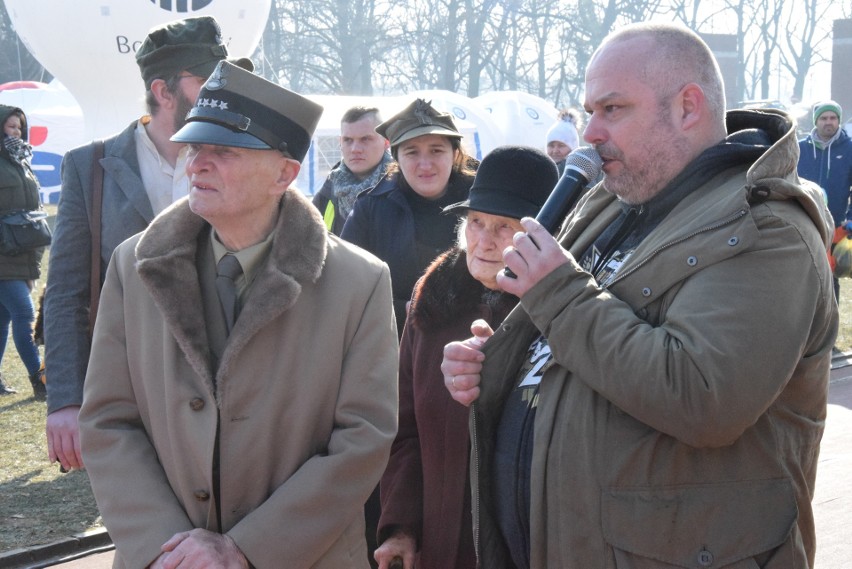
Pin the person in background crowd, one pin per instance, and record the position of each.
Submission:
(19, 190)
(401, 220)
(425, 490)
(563, 137)
(664, 377)
(365, 157)
(825, 157)
(251, 422)
(143, 173)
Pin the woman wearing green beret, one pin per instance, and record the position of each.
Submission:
(400, 219)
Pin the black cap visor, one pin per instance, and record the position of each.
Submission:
(202, 132)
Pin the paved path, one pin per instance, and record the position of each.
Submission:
(832, 500)
(833, 496)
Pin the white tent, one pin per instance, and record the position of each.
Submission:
(522, 118)
(55, 126)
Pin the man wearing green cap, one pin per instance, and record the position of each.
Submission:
(241, 397)
(143, 172)
(825, 157)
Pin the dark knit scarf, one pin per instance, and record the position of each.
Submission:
(18, 149)
(347, 186)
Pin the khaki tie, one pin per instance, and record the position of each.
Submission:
(227, 272)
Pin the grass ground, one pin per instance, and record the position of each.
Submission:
(38, 504)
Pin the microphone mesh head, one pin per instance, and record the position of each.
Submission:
(587, 160)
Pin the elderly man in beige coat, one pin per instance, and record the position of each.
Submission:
(220, 442)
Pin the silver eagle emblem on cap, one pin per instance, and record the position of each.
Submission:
(217, 79)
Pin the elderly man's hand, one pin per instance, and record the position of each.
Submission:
(533, 256)
(198, 549)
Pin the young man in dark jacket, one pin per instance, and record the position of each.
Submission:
(365, 156)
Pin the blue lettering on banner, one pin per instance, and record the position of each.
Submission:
(182, 5)
(46, 168)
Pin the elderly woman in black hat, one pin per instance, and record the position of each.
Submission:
(425, 491)
(400, 219)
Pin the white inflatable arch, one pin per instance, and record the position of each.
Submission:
(89, 45)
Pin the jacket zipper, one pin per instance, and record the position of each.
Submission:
(474, 448)
(653, 253)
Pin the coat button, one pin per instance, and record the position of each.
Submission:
(733, 241)
(691, 261)
(202, 495)
(646, 291)
(705, 558)
(196, 403)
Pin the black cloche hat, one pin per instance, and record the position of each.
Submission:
(512, 181)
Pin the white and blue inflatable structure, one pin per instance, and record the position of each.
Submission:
(89, 46)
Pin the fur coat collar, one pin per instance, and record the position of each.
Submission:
(166, 262)
(447, 290)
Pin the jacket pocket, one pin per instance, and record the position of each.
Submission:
(715, 525)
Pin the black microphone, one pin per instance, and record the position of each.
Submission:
(581, 167)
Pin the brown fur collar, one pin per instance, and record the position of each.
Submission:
(166, 262)
(447, 290)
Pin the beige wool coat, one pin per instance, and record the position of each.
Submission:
(305, 396)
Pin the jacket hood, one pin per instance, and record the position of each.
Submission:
(839, 136)
(6, 111)
(773, 176)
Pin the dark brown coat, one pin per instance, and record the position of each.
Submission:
(426, 488)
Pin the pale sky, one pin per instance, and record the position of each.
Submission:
(818, 84)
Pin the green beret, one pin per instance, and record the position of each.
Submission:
(192, 44)
(417, 119)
